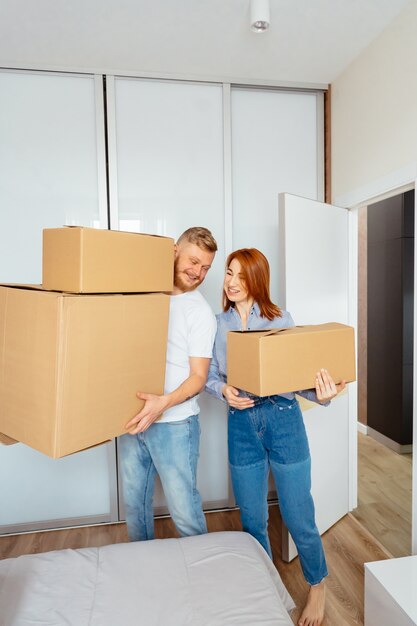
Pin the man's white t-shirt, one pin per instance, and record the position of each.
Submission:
(191, 333)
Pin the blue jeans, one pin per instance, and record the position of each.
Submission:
(272, 435)
(170, 449)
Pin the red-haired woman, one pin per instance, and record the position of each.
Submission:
(268, 432)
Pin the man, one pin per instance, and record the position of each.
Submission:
(164, 436)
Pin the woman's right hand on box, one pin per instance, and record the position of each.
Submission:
(231, 395)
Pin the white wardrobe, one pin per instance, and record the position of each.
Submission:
(154, 156)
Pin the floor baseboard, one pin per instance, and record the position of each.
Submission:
(362, 428)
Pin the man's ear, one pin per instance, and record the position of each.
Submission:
(175, 250)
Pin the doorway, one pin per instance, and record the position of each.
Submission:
(385, 370)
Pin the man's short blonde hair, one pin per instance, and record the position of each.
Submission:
(200, 236)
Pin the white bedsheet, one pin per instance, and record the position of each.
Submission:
(218, 579)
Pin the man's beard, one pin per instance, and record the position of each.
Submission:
(180, 283)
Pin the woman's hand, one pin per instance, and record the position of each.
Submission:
(233, 399)
(326, 389)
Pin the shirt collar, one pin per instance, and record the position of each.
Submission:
(255, 309)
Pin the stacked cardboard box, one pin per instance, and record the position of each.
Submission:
(282, 360)
(74, 352)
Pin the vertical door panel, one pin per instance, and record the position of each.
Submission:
(166, 162)
(314, 284)
(48, 177)
(276, 147)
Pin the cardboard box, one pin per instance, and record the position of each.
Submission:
(277, 361)
(89, 260)
(70, 366)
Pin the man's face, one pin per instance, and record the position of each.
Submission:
(191, 266)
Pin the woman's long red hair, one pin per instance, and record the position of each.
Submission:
(256, 276)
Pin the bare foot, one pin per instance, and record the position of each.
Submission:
(313, 612)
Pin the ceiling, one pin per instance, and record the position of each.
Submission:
(309, 41)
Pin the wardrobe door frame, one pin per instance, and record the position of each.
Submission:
(110, 447)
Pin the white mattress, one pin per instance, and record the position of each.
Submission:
(216, 579)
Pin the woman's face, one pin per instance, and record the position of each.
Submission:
(234, 283)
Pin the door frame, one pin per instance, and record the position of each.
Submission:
(393, 184)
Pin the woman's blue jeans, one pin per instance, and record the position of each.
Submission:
(170, 449)
(272, 435)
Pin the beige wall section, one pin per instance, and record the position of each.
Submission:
(374, 109)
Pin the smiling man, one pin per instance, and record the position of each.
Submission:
(164, 436)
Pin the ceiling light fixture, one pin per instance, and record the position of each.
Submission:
(259, 15)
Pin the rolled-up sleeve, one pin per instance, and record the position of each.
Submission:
(310, 394)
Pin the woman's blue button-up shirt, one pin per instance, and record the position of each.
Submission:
(230, 320)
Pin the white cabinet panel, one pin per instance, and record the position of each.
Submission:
(276, 148)
(168, 166)
(390, 592)
(49, 165)
(35, 488)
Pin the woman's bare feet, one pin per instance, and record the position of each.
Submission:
(313, 612)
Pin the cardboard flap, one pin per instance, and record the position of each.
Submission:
(22, 286)
(255, 333)
(265, 333)
(317, 328)
(275, 331)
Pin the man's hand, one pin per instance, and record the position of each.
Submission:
(233, 399)
(154, 407)
(326, 389)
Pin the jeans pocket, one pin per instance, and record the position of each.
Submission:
(289, 407)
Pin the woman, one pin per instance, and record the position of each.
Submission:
(268, 432)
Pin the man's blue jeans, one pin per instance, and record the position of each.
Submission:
(170, 449)
(272, 434)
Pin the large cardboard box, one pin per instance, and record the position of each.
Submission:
(277, 361)
(90, 260)
(70, 366)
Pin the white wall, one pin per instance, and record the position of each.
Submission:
(374, 110)
(374, 137)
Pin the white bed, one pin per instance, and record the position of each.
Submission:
(217, 579)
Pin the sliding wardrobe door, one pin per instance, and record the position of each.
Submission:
(277, 146)
(51, 164)
(166, 174)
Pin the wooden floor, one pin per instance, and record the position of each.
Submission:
(347, 544)
(384, 495)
